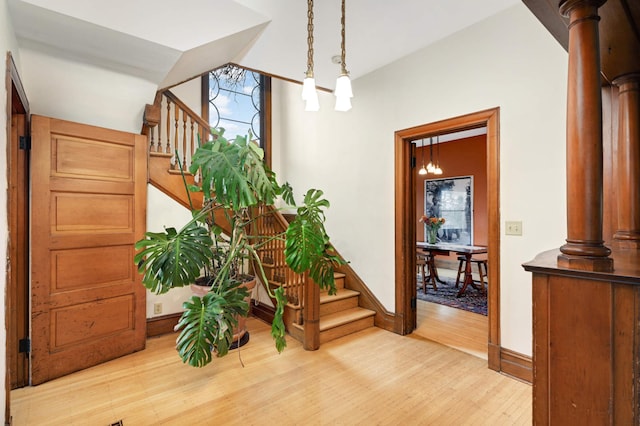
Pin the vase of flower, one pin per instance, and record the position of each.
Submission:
(432, 224)
(432, 235)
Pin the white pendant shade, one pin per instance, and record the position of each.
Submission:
(343, 87)
(343, 93)
(343, 103)
(309, 88)
(311, 102)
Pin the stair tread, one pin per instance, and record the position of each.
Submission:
(342, 293)
(343, 317)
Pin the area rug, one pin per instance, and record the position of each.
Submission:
(472, 300)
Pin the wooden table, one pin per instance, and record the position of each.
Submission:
(431, 250)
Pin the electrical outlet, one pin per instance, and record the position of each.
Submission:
(513, 228)
(157, 308)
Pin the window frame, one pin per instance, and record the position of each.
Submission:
(265, 107)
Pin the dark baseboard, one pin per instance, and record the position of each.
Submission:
(516, 365)
(262, 311)
(157, 326)
(511, 363)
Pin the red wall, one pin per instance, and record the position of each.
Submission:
(463, 157)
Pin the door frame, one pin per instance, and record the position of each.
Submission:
(17, 274)
(405, 223)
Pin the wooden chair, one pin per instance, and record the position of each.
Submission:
(482, 269)
(422, 262)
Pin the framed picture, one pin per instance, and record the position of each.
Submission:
(452, 199)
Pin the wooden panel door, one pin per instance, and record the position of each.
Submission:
(88, 209)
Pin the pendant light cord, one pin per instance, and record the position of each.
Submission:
(310, 38)
(343, 54)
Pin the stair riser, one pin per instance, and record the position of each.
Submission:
(338, 305)
(345, 329)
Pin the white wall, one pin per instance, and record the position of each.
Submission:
(508, 61)
(8, 43)
(74, 91)
(163, 211)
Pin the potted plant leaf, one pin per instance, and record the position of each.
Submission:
(234, 181)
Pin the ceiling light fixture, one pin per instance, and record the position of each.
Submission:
(430, 166)
(309, 92)
(343, 91)
(423, 169)
(437, 170)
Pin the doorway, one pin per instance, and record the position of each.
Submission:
(406, 221)
(17, 278)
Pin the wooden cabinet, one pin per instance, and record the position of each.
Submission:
(586, 342)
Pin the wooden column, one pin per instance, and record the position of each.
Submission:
(585, 247)
(311, 315)
(628, 161)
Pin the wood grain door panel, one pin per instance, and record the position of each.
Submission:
(88, 209)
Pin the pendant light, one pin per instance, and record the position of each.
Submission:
(430, 166)
(423, 169)
(309, 92)
(437, 170)
(343, 91)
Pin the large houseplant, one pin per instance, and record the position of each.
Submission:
(234, 182)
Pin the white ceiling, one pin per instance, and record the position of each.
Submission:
(169, 41)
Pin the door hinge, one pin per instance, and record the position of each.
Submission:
(413, 162)
(24, 346)
(414, 303)
(25, 142)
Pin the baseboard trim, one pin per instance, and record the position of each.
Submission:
(516, 365)
(157, 326)
(263, 312)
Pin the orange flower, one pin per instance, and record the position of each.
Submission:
(432, 222)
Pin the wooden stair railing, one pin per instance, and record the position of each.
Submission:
(302, 294)
(312, 316)
(180, 132)
(174, 131)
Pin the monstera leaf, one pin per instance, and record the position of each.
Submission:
(207, 323)
(307, 244)
(234, 173)
(173, 259)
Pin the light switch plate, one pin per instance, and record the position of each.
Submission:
(513, 228)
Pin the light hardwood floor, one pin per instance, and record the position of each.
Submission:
(370, 377)
(463, 330)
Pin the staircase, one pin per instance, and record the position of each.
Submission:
(340, 313)
(173, 128)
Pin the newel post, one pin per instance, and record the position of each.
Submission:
(584, 248)
(311, 314)
(628, 161)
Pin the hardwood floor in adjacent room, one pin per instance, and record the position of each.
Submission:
(370, 377)
(456, 328)
(462, 330)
